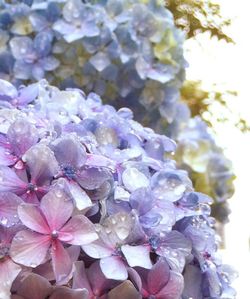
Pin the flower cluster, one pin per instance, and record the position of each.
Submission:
(128, 52)
(91, 206)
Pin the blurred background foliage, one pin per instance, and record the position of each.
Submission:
(197, 17)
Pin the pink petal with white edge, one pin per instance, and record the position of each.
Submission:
(173, 289)
(81, 198)
(29, 248)
(10, 182)
(137, 256)
(114, 268)
(8, 273)
(8, 208)
(78, 231)
(31, 216)
(98, 249)
(56, 207)
(61, 262)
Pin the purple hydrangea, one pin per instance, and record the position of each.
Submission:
(92, 207)
(128, 52)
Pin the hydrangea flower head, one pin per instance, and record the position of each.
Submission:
(131, 54)
(91, 206)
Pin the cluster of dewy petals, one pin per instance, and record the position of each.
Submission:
(111, 210)
(127, 51)
(210, 169)
(50, 227)
(37, 287)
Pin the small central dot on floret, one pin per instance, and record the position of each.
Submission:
(54, 234)
(154, 242)
(4, 250)
(69, 172)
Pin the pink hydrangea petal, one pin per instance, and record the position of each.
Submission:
(30, 197)
(8, 273)
(6, 158)
(41, 163)
(174, 288)
(8, 208)
(158, 276)
(81, 198)
(125, 290)
(22, 135)
(80, 279)
(29, 248)
(132, 253)
(61, 262)
(113, 268)
(31, 216)
(56, 207)
(99, 283)
(10, 182)
(34, 286)
(67, 293)
(78, 231)
(98, 249)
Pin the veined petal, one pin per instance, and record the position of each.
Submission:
(132, 253)
(158, 276)
(80, 279)
(56, 207)
(61, 262)
(10, 182)
(114, 268)
(78, 231)
(98, 249)
(22, 135)
(6, 158)
(31, 216)
(174, 288)
(8, 208)
(29, 248)
(81, 198)
(8, 273)
(42, 164)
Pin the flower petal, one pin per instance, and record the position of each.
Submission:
(69, 151)
(8, 208)
(132, 253)
(174, 288)
(10, 182)
(67, 293)
(113, 268)
(31, 217)
(56, 207)
(29, 248)
(126, 290)
(81, 198)
(22, 135)
(158, 276)
(42, 164)
(78, 231)
(34, 286)
(98, 249)
(8, 273)
(80, 279)
(61, 262)
(6, 158)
